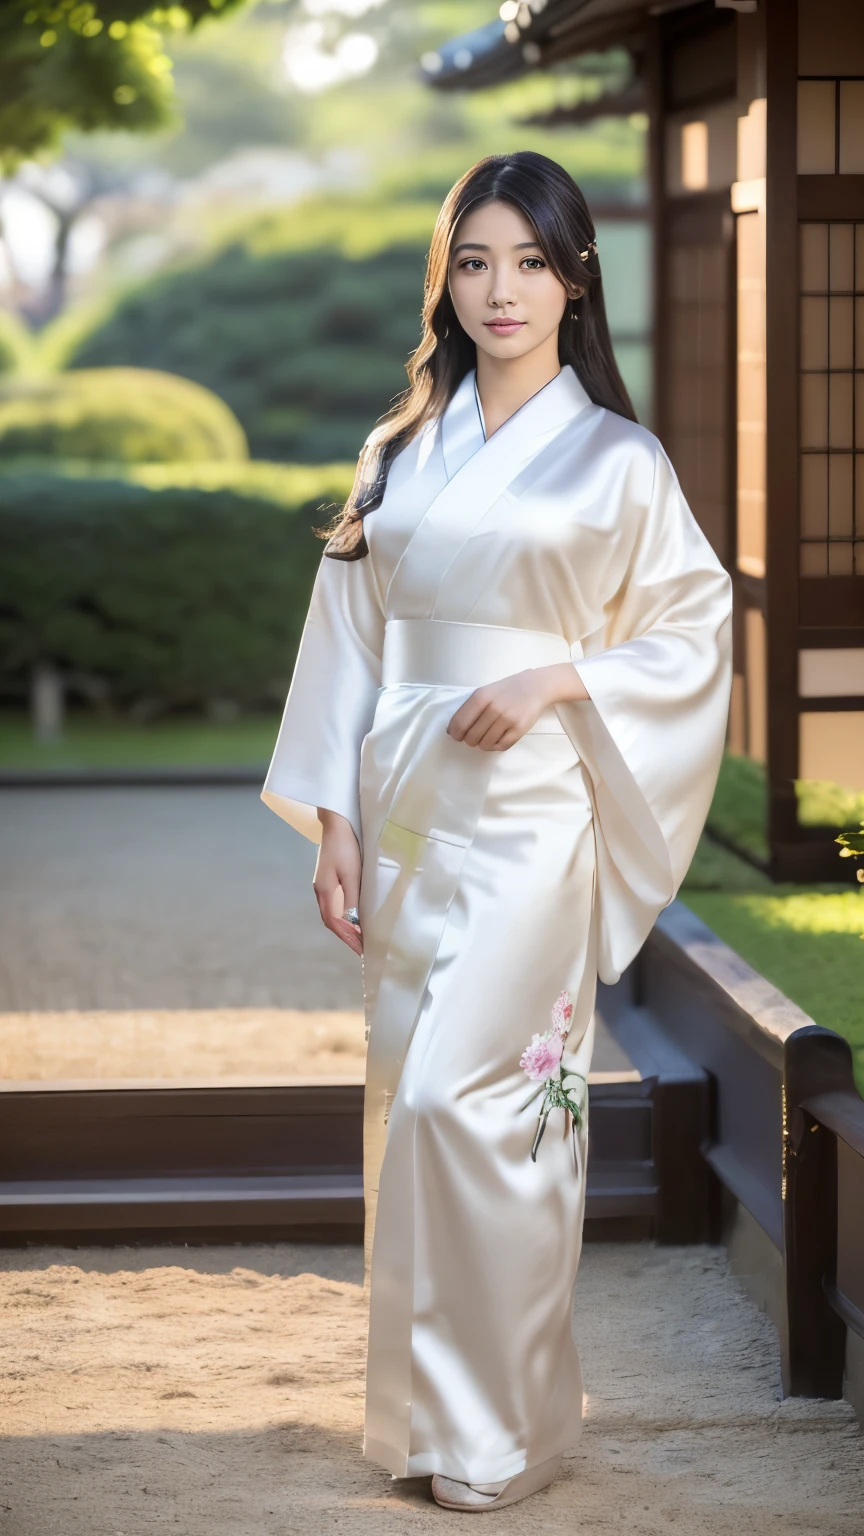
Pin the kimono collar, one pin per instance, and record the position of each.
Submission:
(462, 428)
(462, 431)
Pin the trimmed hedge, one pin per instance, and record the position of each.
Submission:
(173, 595)
(129, 415)
(303, 324)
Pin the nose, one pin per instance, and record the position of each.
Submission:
(500, 291)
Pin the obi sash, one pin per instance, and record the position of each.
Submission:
(442, 653)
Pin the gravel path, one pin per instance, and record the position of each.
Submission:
(161, 898)
(170, 933)
(219, 1391)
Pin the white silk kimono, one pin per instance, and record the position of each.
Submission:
(492, 881)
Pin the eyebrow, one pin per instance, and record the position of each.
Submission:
(473, 245)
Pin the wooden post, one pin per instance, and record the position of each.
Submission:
(813, 1349)
(657, 194)
(781, 468)
(686, 1186)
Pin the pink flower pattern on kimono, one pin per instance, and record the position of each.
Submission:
(543, 1055)
(541, 1062)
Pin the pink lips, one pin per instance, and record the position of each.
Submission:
(504, 327)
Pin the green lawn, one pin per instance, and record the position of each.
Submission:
(106, 743)
(805, 939)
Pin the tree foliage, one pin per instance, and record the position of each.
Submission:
(85, 64)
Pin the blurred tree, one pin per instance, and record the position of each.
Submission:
(97, 64)
(267, 114)
(67, 190)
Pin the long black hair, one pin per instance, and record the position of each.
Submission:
(553, 204)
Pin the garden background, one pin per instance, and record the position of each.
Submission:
(214, 220)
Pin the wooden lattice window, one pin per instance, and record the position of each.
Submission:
(831, 127)
(832, 399)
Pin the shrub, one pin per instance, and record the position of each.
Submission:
(130, 415)
(303, 324)
(170, 594)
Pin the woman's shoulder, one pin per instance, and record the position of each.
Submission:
(625, 450)
(629, 436)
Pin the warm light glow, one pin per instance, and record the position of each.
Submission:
(694, 156)
(831, 748)
(352, 8)
(755, 650)
(311, 66)
(751, 141)
(751, 394)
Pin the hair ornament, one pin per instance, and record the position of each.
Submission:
(592, 248)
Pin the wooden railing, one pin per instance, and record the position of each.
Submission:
(785, 1143)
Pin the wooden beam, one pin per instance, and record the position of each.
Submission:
(830, 197)
(831, 602)
(121, 1164)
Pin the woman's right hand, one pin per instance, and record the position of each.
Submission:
(336, 881)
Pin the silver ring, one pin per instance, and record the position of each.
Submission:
(351, 915)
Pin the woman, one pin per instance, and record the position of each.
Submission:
(508, 711)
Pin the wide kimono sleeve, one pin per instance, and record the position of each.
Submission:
(651, 736)
(331, 702)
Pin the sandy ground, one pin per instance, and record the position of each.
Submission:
(220, 1390)
(200, 1045)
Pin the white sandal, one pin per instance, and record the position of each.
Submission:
(451, 1494)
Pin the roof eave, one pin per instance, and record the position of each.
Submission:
(497, 53)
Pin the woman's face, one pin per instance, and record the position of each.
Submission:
(506, 296)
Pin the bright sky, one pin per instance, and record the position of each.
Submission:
(312, 63)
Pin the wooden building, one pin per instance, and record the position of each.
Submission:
(756, 110)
